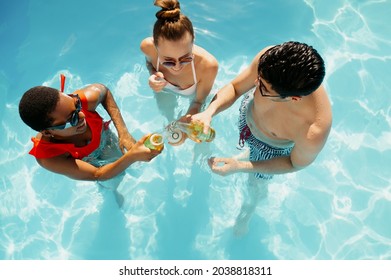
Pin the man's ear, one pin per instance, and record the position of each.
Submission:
(296, 98)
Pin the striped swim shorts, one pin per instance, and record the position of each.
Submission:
(258, 149)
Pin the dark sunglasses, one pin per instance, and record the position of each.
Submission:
(73, 120)
(181, 61)
(261, 86)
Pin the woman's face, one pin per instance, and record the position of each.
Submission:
(68, 110)
(175, 55)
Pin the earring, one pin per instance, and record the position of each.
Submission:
(47, 133)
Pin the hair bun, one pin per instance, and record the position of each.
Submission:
(170, 10)
(172, 15)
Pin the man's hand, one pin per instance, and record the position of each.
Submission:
(204, 118)
(224, 166)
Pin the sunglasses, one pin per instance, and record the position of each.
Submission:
(262, 88)
(181, 61)
(276, 98)
(73, 120)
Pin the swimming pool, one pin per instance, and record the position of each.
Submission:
(174, 207)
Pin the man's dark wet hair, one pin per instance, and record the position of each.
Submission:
(36, 105)
(292, 69)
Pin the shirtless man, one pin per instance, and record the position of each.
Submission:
(285, 121)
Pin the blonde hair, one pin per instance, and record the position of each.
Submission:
(171, 24)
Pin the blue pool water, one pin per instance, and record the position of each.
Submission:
(174, 207)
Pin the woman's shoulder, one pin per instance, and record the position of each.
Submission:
(206, 59)
(92, 95)
(147, 46)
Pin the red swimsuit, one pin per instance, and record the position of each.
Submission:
(45, 149)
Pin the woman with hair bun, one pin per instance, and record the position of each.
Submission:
(175, 63)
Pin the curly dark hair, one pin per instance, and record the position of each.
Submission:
(292, 68)
(36, 105)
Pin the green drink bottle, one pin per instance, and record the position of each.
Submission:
(195, 131)
(154, 142)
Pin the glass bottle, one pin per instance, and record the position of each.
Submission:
(195, 131)
(173, 134)
(154, 142)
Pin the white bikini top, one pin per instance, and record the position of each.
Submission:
(187, 91)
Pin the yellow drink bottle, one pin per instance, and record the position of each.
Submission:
(195, 131)
(154, 142)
